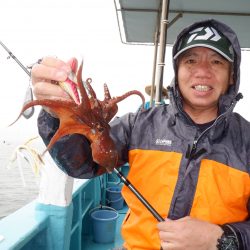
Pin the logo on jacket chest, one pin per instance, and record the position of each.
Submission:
(163, 142)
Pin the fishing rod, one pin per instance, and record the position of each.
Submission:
(28, 95)
(138, 195)
(13, 56)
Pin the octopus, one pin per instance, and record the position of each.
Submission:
(84, 114)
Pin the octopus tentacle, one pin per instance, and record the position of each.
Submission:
(124, 96)
(85, 104)
(90, 89)
(94, 102)
(107, 95)
(90, 118)
(63, 131)
(110, 107)
(46, 102)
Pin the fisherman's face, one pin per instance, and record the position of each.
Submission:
(203, 76)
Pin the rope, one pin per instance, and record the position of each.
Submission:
(28, 153)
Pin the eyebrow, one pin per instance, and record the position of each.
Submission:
(188, 53)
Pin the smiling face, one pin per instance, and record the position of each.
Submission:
(203, 76)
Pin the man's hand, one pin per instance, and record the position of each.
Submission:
(45, 76)
(188, 234)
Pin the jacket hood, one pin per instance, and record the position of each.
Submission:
(227, 99)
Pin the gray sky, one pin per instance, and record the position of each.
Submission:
(32, 29)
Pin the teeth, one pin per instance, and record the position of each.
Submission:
(201, 88)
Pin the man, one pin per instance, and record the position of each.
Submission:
(190, 159)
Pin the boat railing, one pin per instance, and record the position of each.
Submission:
(59, 218)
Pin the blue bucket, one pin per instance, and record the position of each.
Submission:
(104, 225)
(114, 197)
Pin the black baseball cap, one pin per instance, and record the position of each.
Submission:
(206, 36)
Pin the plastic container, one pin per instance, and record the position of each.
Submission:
(104, 224)
(114, 198)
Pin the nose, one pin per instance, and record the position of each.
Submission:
(203, 70)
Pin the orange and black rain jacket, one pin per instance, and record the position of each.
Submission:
(178, 169)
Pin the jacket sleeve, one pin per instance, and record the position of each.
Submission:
(72, 153)
(242, 231)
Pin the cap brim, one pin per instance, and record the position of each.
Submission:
(203, 45)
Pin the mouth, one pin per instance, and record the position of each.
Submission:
(201, 88)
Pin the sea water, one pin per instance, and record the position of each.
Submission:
(17, 186)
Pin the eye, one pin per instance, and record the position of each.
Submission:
(190, 61)
(217, 61)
